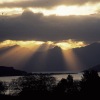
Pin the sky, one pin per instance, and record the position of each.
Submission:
(50, 20)
(64, 23)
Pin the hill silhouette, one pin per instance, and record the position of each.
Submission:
(10, 71)
(53, 59)
(89, 55)
(96, 68)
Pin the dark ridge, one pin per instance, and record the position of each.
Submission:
(10, 71)
(52, 61)
(96, 68)
(89, 55)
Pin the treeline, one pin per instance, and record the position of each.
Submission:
(46, 85)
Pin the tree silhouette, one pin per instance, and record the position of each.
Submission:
(3, 87)
(67, 87)
(70, 80)
(69, 84)
(90, 83)
(61, 87)
(72, 86)
(34, 85)
(45, 85)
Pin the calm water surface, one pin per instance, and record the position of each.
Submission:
(58, 77)
(8, 78)
(75, 76)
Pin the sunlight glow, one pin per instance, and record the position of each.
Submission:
(22, 51)
(69, 44)
(75, 10)
(7, 1)
(10, 11)
(71, 60)
(63, 10)
(17, 56)
(20, 43)
(65, 44)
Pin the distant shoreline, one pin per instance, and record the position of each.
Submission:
(52, 73)
(39, 73)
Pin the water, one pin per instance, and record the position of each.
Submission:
(8, 78)
(75, 76)
(58, 77)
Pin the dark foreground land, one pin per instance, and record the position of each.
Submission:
(47, 86)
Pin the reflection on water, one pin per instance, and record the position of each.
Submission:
(8, 79)
(58, 77)
(75, 76)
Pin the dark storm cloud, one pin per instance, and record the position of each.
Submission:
(30, 26)
(46, 3)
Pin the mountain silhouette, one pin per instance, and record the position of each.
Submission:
(96, 68)
(55, 60)
(10, 71)
(89, 55)
(52, 60)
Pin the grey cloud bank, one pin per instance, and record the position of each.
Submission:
(29, 26)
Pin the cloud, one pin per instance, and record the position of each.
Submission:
(31, 26)
(45, 3)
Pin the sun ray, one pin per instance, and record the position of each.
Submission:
(21, 52)
(17, 56)
(7, 58)
(72, 61)
(42, 50)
